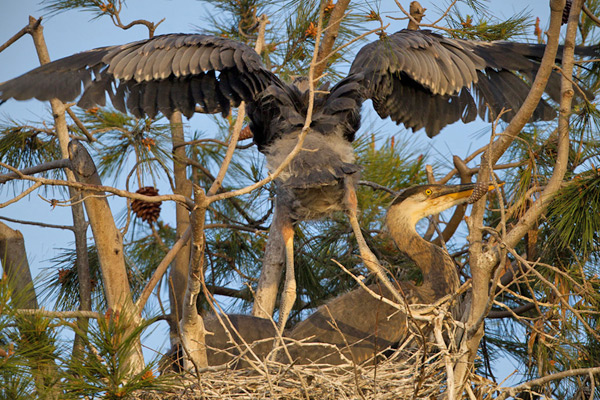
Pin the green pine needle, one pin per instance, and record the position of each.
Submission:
(574, 215)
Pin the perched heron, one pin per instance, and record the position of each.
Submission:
(418, 78)
(360, 325)
(357, 326)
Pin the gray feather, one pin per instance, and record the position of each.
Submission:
(204, 61)
(165, 64)
(184, 63)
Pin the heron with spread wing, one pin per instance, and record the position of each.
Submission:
(418, 78)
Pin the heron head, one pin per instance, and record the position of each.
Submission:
(418, 202)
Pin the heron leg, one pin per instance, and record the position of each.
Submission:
(273, 259)
(288, 296)
(370, 260)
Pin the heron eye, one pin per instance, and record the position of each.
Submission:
(428, 192)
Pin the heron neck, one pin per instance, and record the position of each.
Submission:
(439, 273)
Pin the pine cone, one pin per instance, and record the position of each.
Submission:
(246, 133)
(144, 210)
(566, 11)
(480, 190)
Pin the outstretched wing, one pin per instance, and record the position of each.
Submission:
(176, 72)
(425, 80)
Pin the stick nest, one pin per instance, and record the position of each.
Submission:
(419, 376)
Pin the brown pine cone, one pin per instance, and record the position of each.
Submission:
(146, 211)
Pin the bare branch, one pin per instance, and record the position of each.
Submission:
(330, 35)
(590, 14)
(216, 141)
(161, 269)
(237, 128)
(377, 186)
(40, 224)
(115, 16)
(26, 29)
(21, 195)
(545, 379)
(191, 324)
(50, 165)
(239, 122)
(101, 188)
(559, 295)
(511, 313)
(80, 125)
(482, 263)
(560, 167)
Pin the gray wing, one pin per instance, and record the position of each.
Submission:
(424, 80)
(175, 72)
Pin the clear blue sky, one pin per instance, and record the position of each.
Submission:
(74, 31)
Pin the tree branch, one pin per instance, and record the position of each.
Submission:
(512, 312)
(79, 222)
(331, 34)
(546, 379)
(101, 188)
(482, 264)
(590, 15)
(47, 166)
(191, 324)
(13, 257)
(24, 31)
(161, 269)
(60, 314)
(40, 224)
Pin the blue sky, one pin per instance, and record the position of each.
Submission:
(74, 31)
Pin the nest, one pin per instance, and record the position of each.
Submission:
(420, 377)
(415, 370)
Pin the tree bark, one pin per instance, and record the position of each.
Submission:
(179, 268)
(109, 243)
(331, 34)
(192, 325)
(483, 263)
(79, 222)
(270, 274)
(13, 258)
(16, 270)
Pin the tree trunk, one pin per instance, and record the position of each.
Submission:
(483, 263)
(17, 272)
(270, 274)
(79, 222)
(13, 258)
(192, 325)
(179, 268)
(109, 243)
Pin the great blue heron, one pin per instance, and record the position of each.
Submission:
(360, 325)
(418, 78)
(357, 326)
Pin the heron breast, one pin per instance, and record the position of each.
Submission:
(312, 185)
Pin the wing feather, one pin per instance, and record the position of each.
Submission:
(204, 60)
(184, 63)
(120, 64)
(164, 67)
(176, 61)
(149, 67)
(441, 76)
(152, 75)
